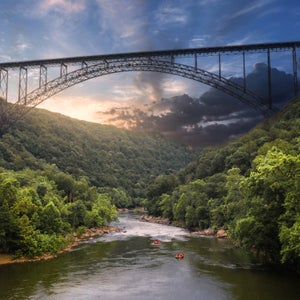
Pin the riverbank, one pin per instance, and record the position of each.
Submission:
(220, 233)
(75, 240)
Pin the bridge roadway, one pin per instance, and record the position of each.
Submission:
(251, 48)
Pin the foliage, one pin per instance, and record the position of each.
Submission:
(251, 187)
(109, 157)
(60, 175)
(38, 209)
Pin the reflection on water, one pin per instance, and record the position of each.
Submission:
(127, 266)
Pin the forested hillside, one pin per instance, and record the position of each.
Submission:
(105, 155)
(250, 187)
(59, 175)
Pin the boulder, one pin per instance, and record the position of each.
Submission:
(221, 234)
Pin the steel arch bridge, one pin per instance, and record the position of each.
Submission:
(88, 67)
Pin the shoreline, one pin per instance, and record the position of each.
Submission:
(220, 233)
(90, 233)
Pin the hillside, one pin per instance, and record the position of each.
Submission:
(60, 176)
(249, 186)
(107, 156)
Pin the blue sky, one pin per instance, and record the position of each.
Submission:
(37, 29)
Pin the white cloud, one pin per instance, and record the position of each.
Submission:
(124, 23)
(168, 14)
(80, 107)
(62, 6)
(199, 41)
(254, 6)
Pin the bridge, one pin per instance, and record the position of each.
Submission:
(73, 70)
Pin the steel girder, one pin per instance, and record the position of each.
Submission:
(87, 72)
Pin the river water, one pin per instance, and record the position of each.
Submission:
(128, 266)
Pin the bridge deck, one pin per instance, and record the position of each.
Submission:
(161, 53)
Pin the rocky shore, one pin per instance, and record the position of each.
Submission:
(220, 233)
(158, 220)
(75, 240)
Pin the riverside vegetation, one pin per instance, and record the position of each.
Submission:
(60, 175)
(250, 187)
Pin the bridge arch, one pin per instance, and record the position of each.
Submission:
(87, 72)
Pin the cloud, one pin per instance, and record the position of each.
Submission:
(250, 8)
(233, 19)
(79, 107)
(61, 6)
(170, 14)
(126, 23)
(211, 119)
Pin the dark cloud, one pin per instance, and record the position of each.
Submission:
(282, 83)
(150, 84)
(214, 117)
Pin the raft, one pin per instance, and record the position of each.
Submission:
(156, 242)
(179, 255)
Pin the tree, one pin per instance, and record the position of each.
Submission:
(102, 212)
(120, 198)
(273, 193)
(165, 205)
(51, 221)
(235, 203)
(162, 184)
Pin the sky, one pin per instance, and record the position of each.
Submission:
(189, 111)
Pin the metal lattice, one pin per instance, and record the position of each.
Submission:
(154, 61)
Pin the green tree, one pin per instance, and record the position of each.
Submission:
(272, 192)
(166, 206)
(51, 221)
(235, 203)
(102, 213)
(120, 198)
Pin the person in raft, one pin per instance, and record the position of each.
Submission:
(179, 255)
(156, 242)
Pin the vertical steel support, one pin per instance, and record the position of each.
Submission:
(84, 65)
(295, 72)
(172, 59)
(63, 70)
(196, 62)
(220, 71)
(23, 75)
(43, 77)
(244, 70)
(269, 79)
(3, 84)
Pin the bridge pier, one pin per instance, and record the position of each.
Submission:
(43, 77)
(3, 83)
(220, 72)
(244, 71)
(295, 71)
(23, 77)
(63, 69)
(269, 80)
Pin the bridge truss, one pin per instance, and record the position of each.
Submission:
(73, 70)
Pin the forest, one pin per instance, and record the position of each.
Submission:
(249, 187)
(111, 158)
(59, 175)
(39, 210)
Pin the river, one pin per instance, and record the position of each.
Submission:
(128, 266)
